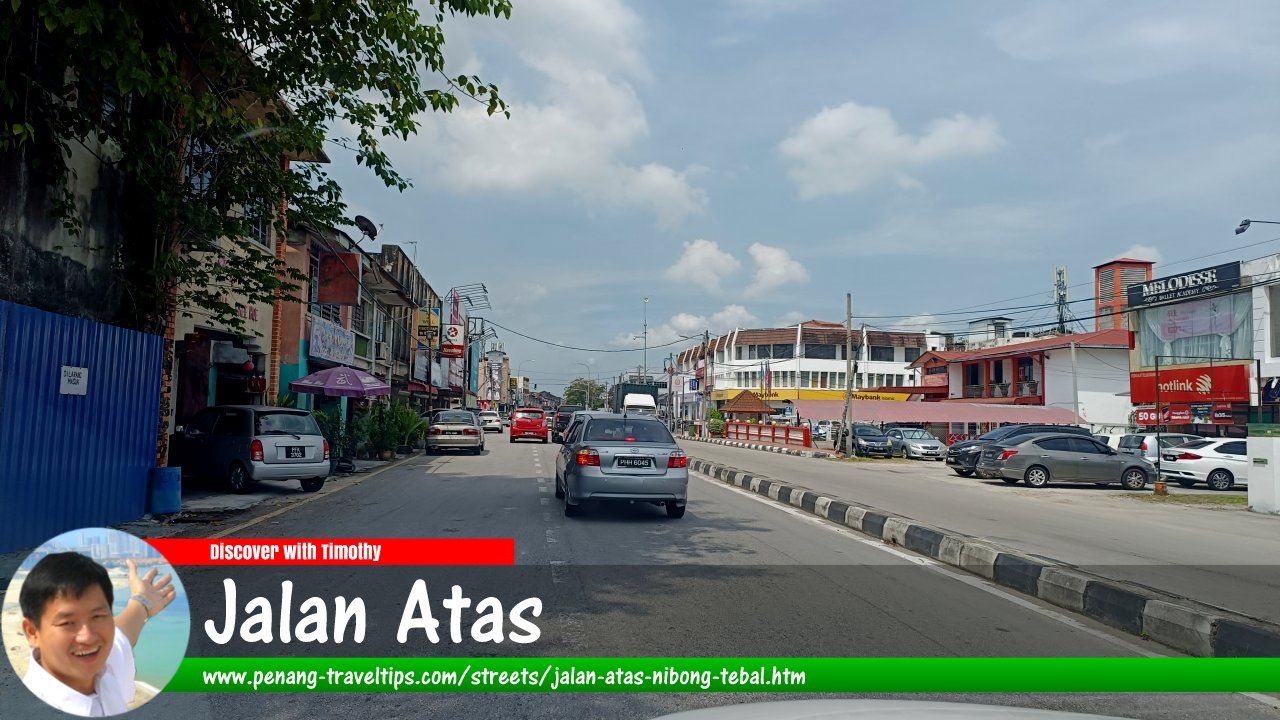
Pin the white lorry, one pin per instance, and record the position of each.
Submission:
(639, 404)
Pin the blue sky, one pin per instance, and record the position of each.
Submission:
(747, 162)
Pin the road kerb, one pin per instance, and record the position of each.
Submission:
(1181, 624)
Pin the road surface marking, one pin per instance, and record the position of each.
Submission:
(942, 568)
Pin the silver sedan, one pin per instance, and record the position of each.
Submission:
(1038, 460)
(612, 457)
(915, 443)
(455, 430)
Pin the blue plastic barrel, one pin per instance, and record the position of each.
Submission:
(166, 491)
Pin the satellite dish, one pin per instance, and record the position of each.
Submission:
(366, 226)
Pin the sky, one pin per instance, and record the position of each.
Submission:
(745, 163)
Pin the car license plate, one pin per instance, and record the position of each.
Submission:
(633, 462)
(294, 452)
(452, 432)
(1172, 458)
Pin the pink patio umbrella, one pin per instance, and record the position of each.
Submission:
(341, 382)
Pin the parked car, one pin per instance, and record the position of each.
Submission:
(529, 423)
(914, 443)
(1039, 459)
(506, 419)
(490, 421)
(245, 444)
(1146, 444)
(608, 456)
(1220, 463)
(561, 421)
(455, 430)
(963, 456)
(818, 430)
(869, 440)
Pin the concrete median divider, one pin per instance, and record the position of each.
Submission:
(1179, 623)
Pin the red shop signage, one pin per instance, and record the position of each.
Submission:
(1224, 383)
(1222, 414)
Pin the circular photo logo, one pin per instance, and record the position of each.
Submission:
(95, 622)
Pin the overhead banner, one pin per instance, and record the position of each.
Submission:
(1207, 281)
(453, 341)
(1217, 383)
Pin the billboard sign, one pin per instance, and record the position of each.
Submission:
(1216, 383)
(1207, 281)
(453, 341)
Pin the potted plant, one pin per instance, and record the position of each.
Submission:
(383, 430)
(409, 427)
(715, 422)
(331, 428)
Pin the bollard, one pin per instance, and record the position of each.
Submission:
(1161, 488)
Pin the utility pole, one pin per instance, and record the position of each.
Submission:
(1075, 390)
(702, 386)
(845, 430)
(1060, 297)
(644, 374)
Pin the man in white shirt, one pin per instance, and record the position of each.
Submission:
(79, 663)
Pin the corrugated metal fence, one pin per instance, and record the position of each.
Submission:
(73, 460)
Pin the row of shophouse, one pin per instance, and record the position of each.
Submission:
(1194, 352)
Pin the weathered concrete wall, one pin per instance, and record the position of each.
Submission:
(41, 263)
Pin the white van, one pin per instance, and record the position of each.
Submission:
(639, 404)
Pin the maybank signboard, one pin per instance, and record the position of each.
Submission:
(785, 394)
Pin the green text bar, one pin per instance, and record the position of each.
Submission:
(727, 675)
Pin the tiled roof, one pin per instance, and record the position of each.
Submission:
(1115, 338)
(747, 402)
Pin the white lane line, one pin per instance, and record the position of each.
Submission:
(544, 489)
(545, 501)
(557, 572)
(551, 536)
(941, 568)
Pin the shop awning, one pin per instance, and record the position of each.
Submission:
(417, 387)
(879, 411)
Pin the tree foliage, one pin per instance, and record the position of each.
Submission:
(576, 393)
(194, 103)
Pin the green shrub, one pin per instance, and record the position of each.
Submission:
(715, 426)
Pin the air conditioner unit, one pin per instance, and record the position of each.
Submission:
(382, 351)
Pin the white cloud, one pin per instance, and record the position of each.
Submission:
(1141, 252)
(571, 135)
(688, 325)
(848, 148)
(793, 317)
(704, 264)
(980, 231)
(918, 323)
(1118, 43)
(775, 268)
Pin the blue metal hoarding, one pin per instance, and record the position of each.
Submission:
(79, 406)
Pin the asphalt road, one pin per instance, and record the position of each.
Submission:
(736, 576)
(1226, 558)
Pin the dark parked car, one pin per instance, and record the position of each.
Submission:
(243, 444)
(1038, 460)
(963, 456)
(869, 440)
(564, 413)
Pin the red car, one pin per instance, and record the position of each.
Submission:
(529, 423)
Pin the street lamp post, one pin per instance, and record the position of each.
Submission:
(520, 374)
(588, 367)
(644, 372)
(1244, 224)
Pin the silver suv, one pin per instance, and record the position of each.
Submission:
(242, 444)
(1145, 445)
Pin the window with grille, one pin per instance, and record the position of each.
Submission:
(328, 311)
(1107, 284)
(911, 354)
(198, 166)
(820, 352)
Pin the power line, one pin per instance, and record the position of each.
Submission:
(597, 350)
